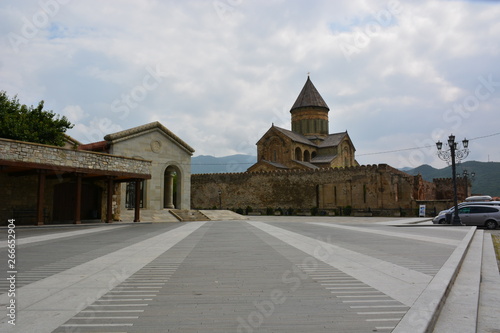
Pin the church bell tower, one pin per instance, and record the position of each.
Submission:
(310, 113)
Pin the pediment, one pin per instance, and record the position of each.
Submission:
(146, 129)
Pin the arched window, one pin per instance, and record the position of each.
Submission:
(307, 156)
(313, 155)
(347, 157)
(274, 150)
(298, 154)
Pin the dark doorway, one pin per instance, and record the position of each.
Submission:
(130, 195)
(65, 201)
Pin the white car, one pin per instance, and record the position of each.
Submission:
(441, 217)
(487, 216)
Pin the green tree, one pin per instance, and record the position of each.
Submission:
(31, 124)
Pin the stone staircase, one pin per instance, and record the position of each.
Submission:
(181, 215)
(185, 215)
(146, 215)
(222, 215)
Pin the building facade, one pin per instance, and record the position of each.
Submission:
(309, 145)
(170, 183)
(47, 184)
(145, 168)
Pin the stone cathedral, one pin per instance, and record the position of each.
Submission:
(309, 145)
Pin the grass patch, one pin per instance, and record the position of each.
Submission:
(496, 244)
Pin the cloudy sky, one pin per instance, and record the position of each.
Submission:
(398, 75)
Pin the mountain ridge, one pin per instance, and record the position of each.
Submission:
(226, 164)
(486, 178)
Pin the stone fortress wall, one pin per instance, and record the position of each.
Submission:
(367, 190)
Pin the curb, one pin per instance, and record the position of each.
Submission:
(424, 312)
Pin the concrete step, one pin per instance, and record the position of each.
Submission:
(186, 215)
(177, 215)
(425, 312)
(223, 215)
(148, 215)
(460, 310)
(489, 299)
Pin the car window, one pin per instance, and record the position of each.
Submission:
(464, 210)
(482, 210)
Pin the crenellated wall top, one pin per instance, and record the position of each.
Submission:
(369, 167)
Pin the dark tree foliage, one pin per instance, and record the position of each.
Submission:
(31, 124)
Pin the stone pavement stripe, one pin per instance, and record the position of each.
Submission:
(106, 311)
(424, 312)
(34, 239)
(400, 283)
(97, 325)
(421, 238)
(120, 317)
(46, 304)
(381, 312)
(410, 220)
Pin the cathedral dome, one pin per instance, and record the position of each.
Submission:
(309, 97)
(310, 112)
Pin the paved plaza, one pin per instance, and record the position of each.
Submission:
(265, 274)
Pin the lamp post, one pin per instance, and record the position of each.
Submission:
(453, 155)
(468, 177)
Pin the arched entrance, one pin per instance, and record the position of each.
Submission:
(172, 187)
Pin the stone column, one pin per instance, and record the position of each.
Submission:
(169, 193)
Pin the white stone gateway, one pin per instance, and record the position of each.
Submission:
(170, 183)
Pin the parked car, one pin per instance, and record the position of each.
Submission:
(478, 215)
(462, 204)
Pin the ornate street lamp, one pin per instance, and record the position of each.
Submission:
(454, 155)
(469, 179)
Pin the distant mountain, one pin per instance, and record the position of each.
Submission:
(226, 164)
(486, 180)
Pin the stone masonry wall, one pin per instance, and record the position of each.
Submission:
(17, 151)
(444, 188)
(365, 188)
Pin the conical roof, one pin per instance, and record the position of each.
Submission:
(309, 96)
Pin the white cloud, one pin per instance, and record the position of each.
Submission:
(74, 113)
(228, 72)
